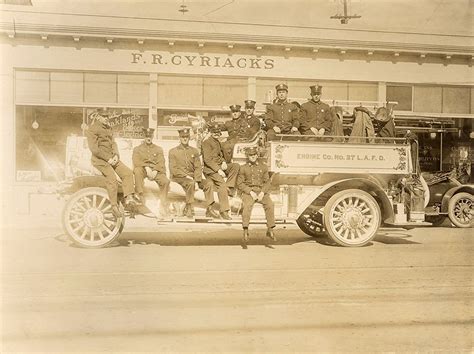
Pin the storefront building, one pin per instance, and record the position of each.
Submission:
(58, 69)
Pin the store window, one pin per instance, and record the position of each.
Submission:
(359, 91)
(456, 99)
(41, 134)
(100, 88)
(133, 89)
(67, 87)
(427, 99)
(179, 90)
(224, 91)
(32, 86)
(401, 94)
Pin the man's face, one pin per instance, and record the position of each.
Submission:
(184, 139)
(235, 114)
(216, 134)
(148, 139)
(316, 97)
(249, 111)
(282, 94)
(252, 157)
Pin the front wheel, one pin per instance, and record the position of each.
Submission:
(461, 209)
(88, 219)
(352, 217)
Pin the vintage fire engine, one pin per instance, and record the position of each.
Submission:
(346, 187)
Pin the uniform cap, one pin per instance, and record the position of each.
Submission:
(316, 89)
(281, 87)
(184, 132)
(250, 104)
(148, 132)
(251, 151)
(215, 128)
(235, 108)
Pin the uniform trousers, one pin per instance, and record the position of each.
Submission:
(189, 188)
(222, 186)
(247, 206)
(272, 135)
(161, 180)
(111, 183)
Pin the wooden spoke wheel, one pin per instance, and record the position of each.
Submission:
(88, 219)
(352, 217)
(461, 210)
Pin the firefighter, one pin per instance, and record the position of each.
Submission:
(218, 170)
(254, 182)
(250, 122)
(234, 128)
(186, 170)
(149, 162)
(282, 116)
(316, 117)
(105, 157)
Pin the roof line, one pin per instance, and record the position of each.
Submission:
(236, 23)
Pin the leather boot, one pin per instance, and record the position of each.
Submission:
(116, 211)
(210, 213)
(271, 234)
(225, 215)
(189, 211)
(246, 235)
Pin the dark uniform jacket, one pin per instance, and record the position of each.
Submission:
(254, 177)
(315, 115)
(235, 128)
(251, 126)
(212, 155)
(149, 155)
(184, 162)
(284, 115)
(101, 143)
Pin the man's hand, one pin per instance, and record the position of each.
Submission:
(322, 131)
(113, 160)
(260, 196)
(253, 195)
(276, 129)
(314, 130)
(224, 165)
(153, 175)
(221, 173)
(294, 129)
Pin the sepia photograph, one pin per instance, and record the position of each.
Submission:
(237, 176)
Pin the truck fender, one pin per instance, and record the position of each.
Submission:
(321, 196)
(449, 194)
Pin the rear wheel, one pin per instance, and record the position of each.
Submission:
(352, 217)
(461, 210)
(88, 219)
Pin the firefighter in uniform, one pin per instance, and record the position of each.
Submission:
(316, 117)
(282, 116)
(234, 128)
(186, 170)
(105, 157)
(250, 122)
(254, 182)
(216, 169)
(149, 162)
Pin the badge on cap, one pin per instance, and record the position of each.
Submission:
(251, 151)
(281, 87)
(250, 104)
(148, 132)
(235, 108)
(316, 89)
(184, 132)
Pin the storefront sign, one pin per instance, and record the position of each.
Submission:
(126, 124)
(206, 61)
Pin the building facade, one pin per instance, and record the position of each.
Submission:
(57, 69)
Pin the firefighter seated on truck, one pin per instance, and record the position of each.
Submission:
(316, 118)
(254, 183)
(149, 162)
(105, 157)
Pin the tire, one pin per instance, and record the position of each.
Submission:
(88, 220)
(309, 226)
(461, 210)
(352, 218)
(436, 220)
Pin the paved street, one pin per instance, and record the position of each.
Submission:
(186, 288)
